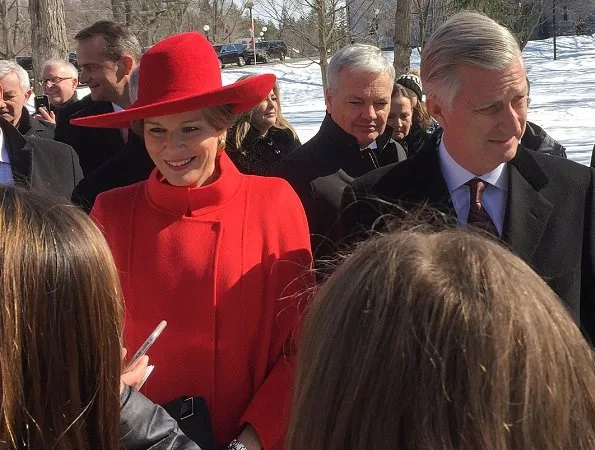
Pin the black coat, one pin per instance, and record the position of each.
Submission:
(41, 164)
(258, 154)
(130, 165)
(94, 146)
(145, 425)
(553, 235)
(66, 108)
(30, 126)
(321, 168)
(535, 138)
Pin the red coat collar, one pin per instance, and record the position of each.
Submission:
(195, 201)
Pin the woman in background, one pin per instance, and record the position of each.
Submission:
(400, 116)
(61, 337)
(261, 137)
(422, 124)
(441, 341)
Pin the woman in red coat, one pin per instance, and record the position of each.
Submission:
(219, 255)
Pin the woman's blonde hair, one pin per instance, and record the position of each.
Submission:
(61, 322)
(441, 341)
(242, 125)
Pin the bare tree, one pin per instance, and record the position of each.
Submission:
(14, 28)
(322, 25)
(48, 32)
(402, 40)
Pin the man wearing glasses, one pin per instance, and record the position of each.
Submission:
(17, 90)
(59, 80)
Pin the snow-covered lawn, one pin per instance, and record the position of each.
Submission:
(562, 91)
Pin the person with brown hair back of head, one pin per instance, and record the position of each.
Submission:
(61, 336)
(441, 340)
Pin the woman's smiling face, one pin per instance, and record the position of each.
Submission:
(183, 147)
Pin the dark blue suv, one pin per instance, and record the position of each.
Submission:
(230, 54)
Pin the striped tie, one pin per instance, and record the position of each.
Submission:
(478, 216)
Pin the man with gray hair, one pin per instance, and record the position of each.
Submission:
(59, 80)
(17, 90)
(353, 139)
(476, 172)
(107, 53)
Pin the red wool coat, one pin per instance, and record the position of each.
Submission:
(222, 264)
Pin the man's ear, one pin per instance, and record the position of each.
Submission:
(28, 94)
(75, 82)
(328, 100)
(128, 64)
(436, 110)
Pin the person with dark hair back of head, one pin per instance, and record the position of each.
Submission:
(440, 340)
(61, 336)
(107, 53)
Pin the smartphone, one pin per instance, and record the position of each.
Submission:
(143, 349)
(41, 100)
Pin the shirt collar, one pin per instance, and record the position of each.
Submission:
(372, 145)
(456, 176)
(3, 149)
(117, 108)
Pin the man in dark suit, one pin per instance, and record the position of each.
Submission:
(353, 139)
(541, 207)
(17, 90)
(107, 53)
(130, 165)
(36, 163)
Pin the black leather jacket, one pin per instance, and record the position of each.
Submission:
(145, 425)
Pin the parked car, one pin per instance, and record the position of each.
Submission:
(261, 54)
(26, 62)
(230, 54)
(265, 51)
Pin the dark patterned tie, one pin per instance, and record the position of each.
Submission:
(478, 216)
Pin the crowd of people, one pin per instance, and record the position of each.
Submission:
(419, 274)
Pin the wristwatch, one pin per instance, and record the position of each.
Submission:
(236, 445)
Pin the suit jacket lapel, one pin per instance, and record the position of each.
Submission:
(429, 177)
(527, 211)
(19, 153)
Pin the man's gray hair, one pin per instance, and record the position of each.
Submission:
(133, 85)
(359, 57)
(68, 66)
(7, 67)
(467, 38)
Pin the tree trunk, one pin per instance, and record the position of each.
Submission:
(118, 11)
(402, 36)
(48, 32)
(322, 41)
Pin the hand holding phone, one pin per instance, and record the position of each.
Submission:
(143, 349)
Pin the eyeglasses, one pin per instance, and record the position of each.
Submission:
(54, 80)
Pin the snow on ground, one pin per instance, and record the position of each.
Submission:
(562, 91)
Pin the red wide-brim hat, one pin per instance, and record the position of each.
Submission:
(180, 74)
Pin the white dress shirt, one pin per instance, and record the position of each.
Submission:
(5, 170)
(123, 131)
(494, 197)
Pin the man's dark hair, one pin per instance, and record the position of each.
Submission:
(118, 39)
